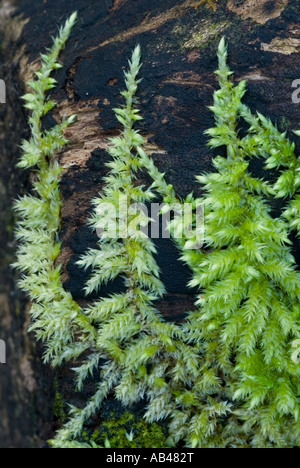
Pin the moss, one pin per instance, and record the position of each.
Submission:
(58, 405)
(196, 21)
(85, 436)
(6, 250)
(128, 431)
(200, 29)
(284, 124)
(204, 33)
(209, 4)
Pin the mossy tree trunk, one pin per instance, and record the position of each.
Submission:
(179, 40)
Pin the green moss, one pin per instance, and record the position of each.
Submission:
(58, 405)
(209, 4)
(284, 124)
(85, 436)
(204, 34)
(128, 431)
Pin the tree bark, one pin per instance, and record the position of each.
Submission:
(179, 40)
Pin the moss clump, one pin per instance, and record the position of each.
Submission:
(58, 405)
(284, 124)
(209, 4)
(128, 431)
(204, 34)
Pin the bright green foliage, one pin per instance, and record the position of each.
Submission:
(55, 315)
(223, 379)
(145, 357)
(292, 213)
(266, 140)
(73, 444)
(280, 153)
(126, 320)
(249, 307)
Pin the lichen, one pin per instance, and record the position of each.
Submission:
(260, 11)
(209, 4)
(285, 46)
(204, 33)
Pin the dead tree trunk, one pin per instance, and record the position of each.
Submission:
(179, 40)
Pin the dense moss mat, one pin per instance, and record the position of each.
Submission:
(129, 431)
(178, 89)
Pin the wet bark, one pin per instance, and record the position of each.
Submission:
(179, 40)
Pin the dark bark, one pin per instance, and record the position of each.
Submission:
(179, 53)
